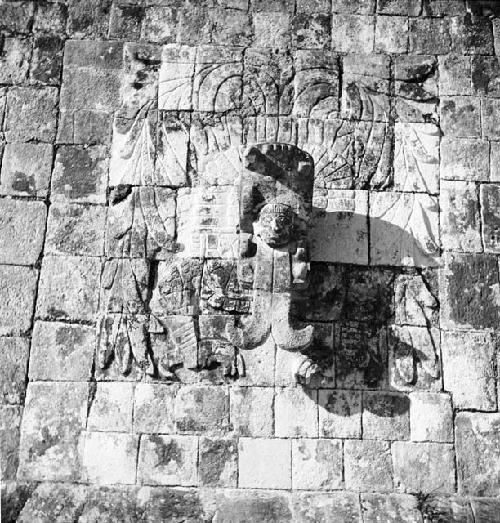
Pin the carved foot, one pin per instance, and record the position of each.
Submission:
(304, 370)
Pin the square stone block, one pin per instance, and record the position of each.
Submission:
(391, 34)
(61, 352)
(69, 287)
(466, 159)
(154, 408)
(490, 217)
(22, 228)
(429, 35)
(265, 463)
(316, 464)
(218, 462)
(296, 413)
(14, 353)
(460, 116)
(391, 508)
(386, 416)
(252, 411)
(431, 417)
(111, 408)
(14, 60)
(455, 75)
(339, 413)
(168, 460)
(272, 29)
(110, 458)
(353, 33)
(17, 298)
(310, 507)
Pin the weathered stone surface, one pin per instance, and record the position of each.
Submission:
(22, 228)
(477, 453)
(353, 33)
(61, 352)
(489, 118)
(447, 507)
(17, 17)
(316, 464)
(414, 469)
(296, 413)
(69, 288)
(460, 116)
(14, 352)
(218, 462)
(311, 507)
(255, 458)
(168, 460)
(391, 34)
(455, 75)
(468, 361)
(26, 169)
(490, 217)
(51, 431)
(460, 222)
(311, 31)
(154, 408)
(125, 21)
(46, 65)
(110, 457)
(431, 417)
(430, 36)
(50, 18)
(495, 161)
(10, 422)
(367, 465)
(111, 408)
(416, 300)
(465, 159)
(272, 29)
(339, 413)
(88, 20)
(471, 35)
(17, 298)
(386, 416)
(252, 411)
(14, 60)
(391, 508)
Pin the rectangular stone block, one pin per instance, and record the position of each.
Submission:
(416, 299)
(391, 34)
(265, 463)
(61, 352)
(391, 508)
(176, 77)
(22, 229)
(168, 460)
(460, 116)
(471, 35)
(252, 411)
(339, 413)
(316, 464)
(154, 408)
(465, 159)
(430, 36)
(490, 109)
(353, 33)
(47, 60)
(431, 417)
(10, 422)
(311, 31)
(296, 413)
(218, 462)
(14, 354)
(490, 217)
(416, 467)
(342, 506)
(111, 408)
(230, 27)
(455, 75)
(272, 29)
(386, 416)
(468, 369)
(14, 60)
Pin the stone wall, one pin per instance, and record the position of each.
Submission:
(136, 382)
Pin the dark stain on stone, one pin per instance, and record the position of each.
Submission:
(40, 447)
(174, 506)
(213, 459)
(255, 509)
(167, 451)
(56, 313)
(68, 339)
(23, 183)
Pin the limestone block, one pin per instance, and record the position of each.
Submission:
(316, 464)
(14, 353)
(490, 217)
(367, 465)
(272, 29)
(471, 35)
(311, 31)
(14, 60)
(47, 60)
(431, 417)
(69, 287)
(218, 465)
(50, 18)
(416, 301)
(460, 222)
(176, 74)
(154, 408)
(252, 411)
(110, 457)
(17, 298)
(395, 7)
(168, 460)
(415, 467)
(386, 416)
(76, 229)
(455, 75)
(485, 71)
(125, 21)
(51, 431)
(17, 17)
(354, 6)
(495, 162)
(111, 408)
(10, 422)
(490, 109)
(339, 413)
(90, 19)
(230, 27)
(22, 229)
(468, 369)
(264, 463)
(478, 453)
(460, 116)
(26, 169)
(340, 227)
(391, 34)
(392, 508)
(194, 25)
(296, 413)
(465, 159)
(310, 507)
(353, 33)
(430, 36)
(61, 352)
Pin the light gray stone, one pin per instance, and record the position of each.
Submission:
(111, 408)
(252, 411)
(296, 413)
(154, 408)
(14, 353)
(339, 413)
(431, 417)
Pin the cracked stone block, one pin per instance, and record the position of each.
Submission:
(296, 413)
(431, 417)
(416, 157)
(14, 354)
(22, 229)
(252, 411)
(80, 174)
(490, 109)
(490, 217)
(168, 460)
(339, 413)
(272, 29)
(404, 229)
(47, 60)
(88, 20)
(416, 300)
(391, 34)
(430, 36)
(311, 507)
(218, 462)
(69, 287)
(386, 416)
(460, 222)
(468, 289)
(415, 467)
(478, 453)
(468, 369)
(367, 465)
(76, 229)
(154, 408)
(414, 358)
(31, 114)
(10, 422)
(390, 508)
(14, 60)
(455, 75)
(111, 408)
(265, 463)
(61, 352)
(17, 298)
(110, 457)
(460, 116)
(316, 464)
(26, 169)
(471, 35)
(353, 33)
(51, 431)
(465, 159)
(200, 408)
(340, 226)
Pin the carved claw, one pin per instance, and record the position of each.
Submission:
(305, 370)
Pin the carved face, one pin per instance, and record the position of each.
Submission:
(276, 224)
